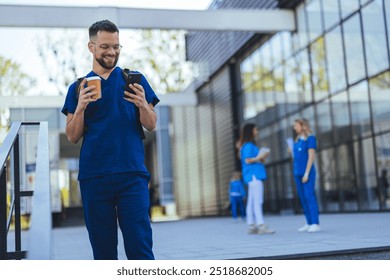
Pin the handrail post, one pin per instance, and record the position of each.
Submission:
(18, 232)
(3, 214)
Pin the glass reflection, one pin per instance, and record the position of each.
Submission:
(375, 37)
(291, 86)
(319, 78)
(324, 125)
(341, 118)
(365, 174)
(354, 49)
(313, 10)
(331, 12)
(345, 179)
(249, 96)
(301, 26)
(380, 98)
(327, 167)
(348, 7)
(277, 51)
(303, 75)
(383, 161)
(360, 110)
(335, 59)
(387, 13)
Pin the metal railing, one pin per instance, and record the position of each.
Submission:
(41, 223)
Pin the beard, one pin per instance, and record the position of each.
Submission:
(107, 65)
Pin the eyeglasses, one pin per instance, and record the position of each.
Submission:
(106, 47)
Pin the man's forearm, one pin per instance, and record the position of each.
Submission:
(148, 118)
(75, 127)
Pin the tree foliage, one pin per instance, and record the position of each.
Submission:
(13, 81)
(160, 55)
(65, 57)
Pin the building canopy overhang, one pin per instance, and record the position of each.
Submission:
(259, 21)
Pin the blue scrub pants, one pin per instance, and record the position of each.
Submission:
(236, 202)
(307, 197)
(118, 198)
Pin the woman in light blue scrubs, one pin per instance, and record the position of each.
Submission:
(253, 174)
(305, 146)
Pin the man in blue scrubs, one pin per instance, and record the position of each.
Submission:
(113, 178)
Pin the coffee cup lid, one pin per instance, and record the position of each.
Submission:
(93, 78)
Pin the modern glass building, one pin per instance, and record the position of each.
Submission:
(334, 71)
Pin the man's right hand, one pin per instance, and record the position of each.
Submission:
(85, 96)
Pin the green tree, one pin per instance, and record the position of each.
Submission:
(160, 55)
(13, 82)
(65, 56)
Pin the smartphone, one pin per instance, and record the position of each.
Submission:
(131, 79)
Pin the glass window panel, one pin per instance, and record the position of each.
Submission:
(349, 7)
(331, 12)
(354, 49)
(341, 118)
(375, 37)
(258, 87)
(246, 69)
(383, 161)
(380, 100)
(288, 187)
(266, 56)
(324, 125)
(291, 86)
(362, 2)
(280, 97)
(301, 26)
(319, 78)
(335, 59)
(387, 12)
(313, 10)
(365, 174)
(269, 92)
(275, 143)
(291, 121)
(286, 44)
(277, 51)
(257, 67)
(360, 111)
(328, 176)
(303, 75)
(345, 185)
(308, 114)
(249, 94)
(285, 132)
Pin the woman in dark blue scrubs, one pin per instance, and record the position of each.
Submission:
(305, 146)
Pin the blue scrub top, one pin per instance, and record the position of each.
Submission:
(237, 188)
(250, 150)
(112, 140)
(301, 154)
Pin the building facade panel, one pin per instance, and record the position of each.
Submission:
(334, 71)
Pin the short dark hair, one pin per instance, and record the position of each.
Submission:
(102, 25)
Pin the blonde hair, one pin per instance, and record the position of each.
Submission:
(306, 130)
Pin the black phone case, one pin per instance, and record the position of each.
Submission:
(131, 79)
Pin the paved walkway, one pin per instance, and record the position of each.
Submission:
(220, 238)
